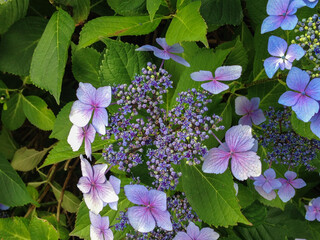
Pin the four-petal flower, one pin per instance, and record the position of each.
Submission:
(250, 110)
(286, 191)
(193, 233)
(266, 184)
(99, 228)
(313, 210)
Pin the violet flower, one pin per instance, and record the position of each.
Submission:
(310, 3)
(76, 136)
(99, 228)
(115, 182)
(153, 210)
(167, 51)
(193, 233)
(91, 100)
(315, 124)
(95, 187)
(225, 73)
(304, 100)
(286, 191)
(281, 15)
(240, 147)
(313, 210)
(250, 110)
(266, 184)
(3, 207)
(282, 56)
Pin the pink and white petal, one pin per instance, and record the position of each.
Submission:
(114, 205)
(158, 199)
(87, 148)
(137, 194)
(271, 65)
(175, 48)
(95, 233)
(208, 233)
(255, 103)
(193, 230)
(93, 201)
(286, 192)
(298, 183)
(86, 93)
(258, 117)
(84, 185)
(103, 97)
(99, 173)
(277, 7)
(313, 89)
(179, 59)
(115, 182)
(100, 120)
(289, 22)
(215, 87)
(95, 219)
(141, 219)
(295, 52)
(289, 98)
(239, 138)
(161, 54)
(242, 105)
(163, 43)
(146, 48)
(228, 73)
(245, 165)
(269, 196)
(75, 137)
(162, 218)
(277, 46)
(282, 64)
(216, 161)
(90, 133)
(315, 124)
(245, 120)
(306, 108)
(182, 236)
(287, 65)
(108, 234)
(106, 192)
(201, 76)
(80, 113)
(86, 168)
(297, 79)
(271, 23)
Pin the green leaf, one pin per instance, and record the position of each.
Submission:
(187, 25)
(110, 26)
(37, 112)
(62, 151)
(10, 12)
(16, 193)
(26, 159)
(257, 11)
(128, 7)
(50, 56)
(41, 229)
(17, 45)
(80, 9)
(222, 12)
(215, 192)
(238, 55)
(8, 146)
(70, 202)
(121, 63)
(15, 228)
(13, 117)
(152, 7)
(62, 124)
(302, 128)
(86, 65)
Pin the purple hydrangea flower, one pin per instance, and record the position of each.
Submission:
(240, 147)
(3, 207)
(286, 191)
(91, 100)
(313, 210)
(310, 3)
(250, 110)
(76, 136)
(193, 233)
(304, 100)
(154, 210)
(99, 228)
(281, 15)
(315, 124)
(225, 73)
(266, 183)
(95, 187)
(167, 51)
(115, 182)
(282, 56)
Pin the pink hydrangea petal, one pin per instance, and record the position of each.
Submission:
(141, 219)
(269, 196)
(298, 183)
(100, 120)
(95, 219)
(75, 137)
(86, 93)
(103, 97)
(80, 113)
(255, 103)
(182, 236)
(193, 230)
(242, 105)
(259, 181)
(245, 120)
(271, 23)
(275, 183)
(258, 117)
(245, 165)
(84, 185)
(108, 234)
(87, 148)
(86, 168)
(95, 233)
(162, 218)
(208, 233)
(290, 175)
(286, 192)
(305, 108)
(216, 161)
(297, 79)
(267, 187)
(161, 54)
(115, 182)
(99, 171)
(179, 59)
(239, 138)
(158, 199)
(163, 43)
(201, 76)
(277, 7)
(270, 173)
(215, 87)
(93, 201)
(137, 194)
(310, 214)
(228, 73)
(106, 192)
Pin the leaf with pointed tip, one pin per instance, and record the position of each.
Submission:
(62, 123)
(14, 117)
(69, 202)
(15, 228)
(152, 7)
(41, 229)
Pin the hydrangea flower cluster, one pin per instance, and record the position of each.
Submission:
(278, 133)
(175, 135)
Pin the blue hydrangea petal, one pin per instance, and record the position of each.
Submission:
(163, 43)
(242, 105)
(147, 48)
(158, 199)
(271, 23)
(286, 192)
(179, 59)
(270, 173)
(290, 175)
(193, 230)
(255, 103)
(175, 48)
(215, 87)
(161, 54)
(162, 219)
(294, 5)
(275, 183)
(289, 22)
(137, 194)
(207, 233)
(297, 79)
(295, 52)
(259, 181)
(182, 236)
(310, 3)
(289, 98)
(277, 7)
(313, 89)
(310, 214)
(258, 117)
(228, 73)
(267, 187)
(306, 108)
(315, 124)
(239, 138)
(271, 65)
(298, 183)
(141, 219)
(277, 46)
(245, 120)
